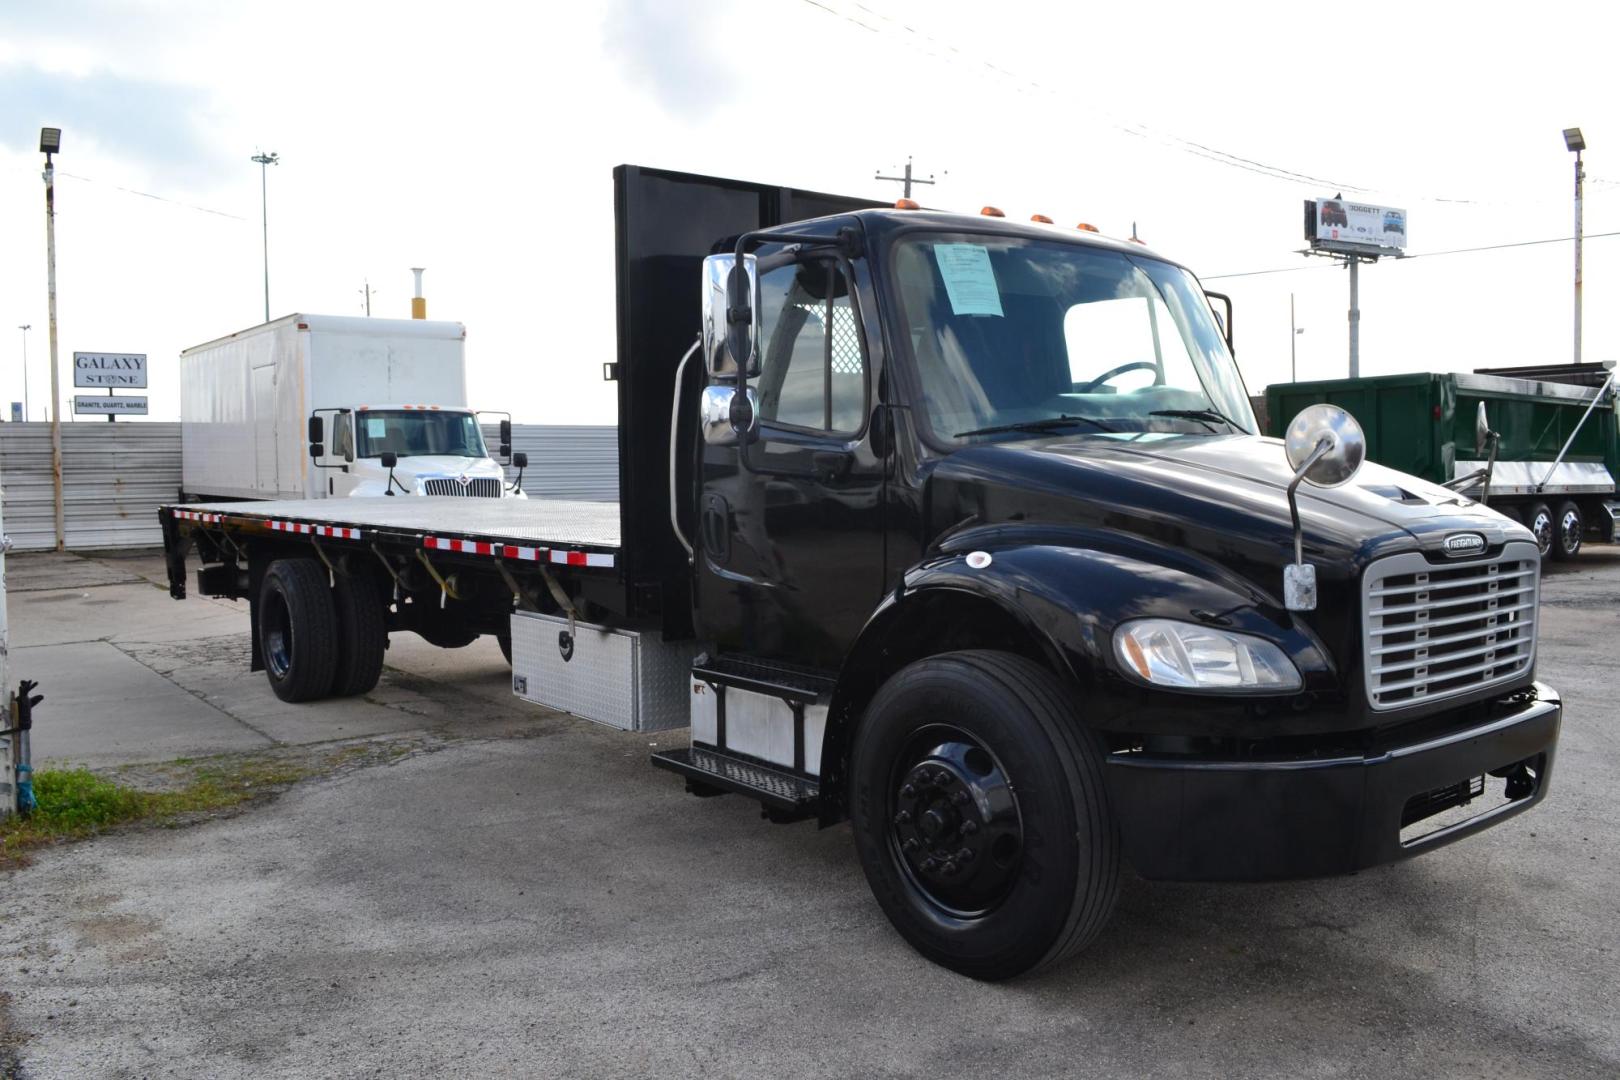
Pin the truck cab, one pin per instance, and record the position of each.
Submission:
(376, 450)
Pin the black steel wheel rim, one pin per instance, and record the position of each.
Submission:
(955, 830)
(277, 635)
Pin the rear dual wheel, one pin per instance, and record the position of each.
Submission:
(980, 815)
(319, 639)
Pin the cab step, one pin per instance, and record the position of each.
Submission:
(773, 679)
(786, 797)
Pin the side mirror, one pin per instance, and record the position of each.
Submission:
(317, 429)
(317, 451)
(728, 416)
(1482, 430)
(1335, 462)
(520, 460)
(506, 438)
(730, 316)
(388, 459)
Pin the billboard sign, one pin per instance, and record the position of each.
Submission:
(109, 370)
(90, 405)
(1335, 224)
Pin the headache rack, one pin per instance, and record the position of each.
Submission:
(1440, 630)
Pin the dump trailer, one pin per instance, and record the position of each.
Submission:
(959, 529)
(1555, 453)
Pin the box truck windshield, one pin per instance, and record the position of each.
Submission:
(417, 433)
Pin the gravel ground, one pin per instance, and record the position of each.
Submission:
(530, 899)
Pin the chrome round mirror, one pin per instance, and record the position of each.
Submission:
(1482, 430)
(1347, 446)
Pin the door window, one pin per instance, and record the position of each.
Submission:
(813, 369)
(343, 437)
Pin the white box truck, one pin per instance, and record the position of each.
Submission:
(329, 406)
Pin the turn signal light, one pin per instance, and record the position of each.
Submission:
(990, 211)
(1087, 228)
(906, 204)
(1042, 218)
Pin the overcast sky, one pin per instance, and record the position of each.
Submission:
(478, 140)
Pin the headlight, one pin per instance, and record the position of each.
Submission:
(1188, 656)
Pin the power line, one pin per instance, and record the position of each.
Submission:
(1416, 255)
(149, 195)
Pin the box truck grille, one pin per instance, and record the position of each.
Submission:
(480, 487)
(1436, 631)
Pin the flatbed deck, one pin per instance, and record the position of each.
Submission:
(551, 530)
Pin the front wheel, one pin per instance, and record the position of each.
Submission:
(980, 814)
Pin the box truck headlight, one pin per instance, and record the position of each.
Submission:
(1187, 656)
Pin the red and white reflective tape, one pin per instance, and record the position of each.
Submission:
(193, 515)
(513, 551)
(337, 532)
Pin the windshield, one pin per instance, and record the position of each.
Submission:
(1010, 333)
(417, 432)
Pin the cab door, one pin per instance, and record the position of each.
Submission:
(789, 560)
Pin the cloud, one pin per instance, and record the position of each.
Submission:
(151, 123)
(671, 50)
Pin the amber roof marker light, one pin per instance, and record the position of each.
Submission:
(1083, 227)
(1042, 218)
(990, 211)
(907, 204)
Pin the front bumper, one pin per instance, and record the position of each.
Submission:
(1197, 819)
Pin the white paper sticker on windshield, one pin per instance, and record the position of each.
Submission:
(970, 283)
(376, 427)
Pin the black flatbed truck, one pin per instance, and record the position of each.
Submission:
(955, 527)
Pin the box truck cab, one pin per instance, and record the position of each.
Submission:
(407, 450)
(253, 403)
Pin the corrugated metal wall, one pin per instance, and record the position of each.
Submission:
(114, 477)
(565, 462)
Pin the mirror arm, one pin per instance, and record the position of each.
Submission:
(1299, 578)
(674, 427)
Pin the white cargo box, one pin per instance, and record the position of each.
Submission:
(624, 679)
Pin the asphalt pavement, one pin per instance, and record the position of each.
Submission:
(521, 895)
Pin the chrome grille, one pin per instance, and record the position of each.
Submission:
(482, 487)
(1436, 630)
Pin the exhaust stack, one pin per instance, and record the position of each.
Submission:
(418, 302)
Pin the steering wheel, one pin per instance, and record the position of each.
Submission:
(1134, 365)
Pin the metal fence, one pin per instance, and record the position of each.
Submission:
(114, 477)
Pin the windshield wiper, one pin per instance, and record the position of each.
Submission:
(1202, 414)
(1047, 424)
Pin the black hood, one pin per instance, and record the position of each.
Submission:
(1219, 498)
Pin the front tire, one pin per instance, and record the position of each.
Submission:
(1568, 528)
(297, 629)
(980, 814)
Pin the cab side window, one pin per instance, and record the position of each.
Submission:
(813, 368)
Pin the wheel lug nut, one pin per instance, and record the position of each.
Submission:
(908, 792)
(965, 855)
(950, 866)
(959, 797)
(929, 864)
(969, 828)
(910, 844)
(903, 817)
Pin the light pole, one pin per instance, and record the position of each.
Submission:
(50, 142)
(1293, 339)
(1574, 143)
(265, 160)
(25, 328)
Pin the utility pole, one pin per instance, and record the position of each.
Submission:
(265, 160)
(50, 142)
(907, 179)
(366, 292)
(25, 328)
(1575, 142)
